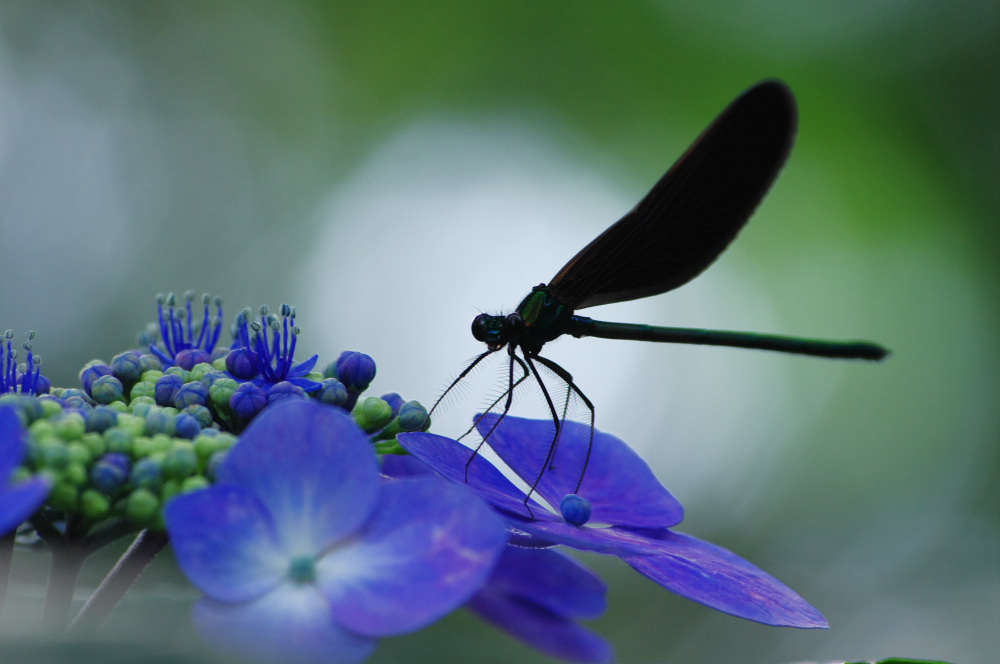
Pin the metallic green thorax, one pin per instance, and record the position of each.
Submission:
(545, 318)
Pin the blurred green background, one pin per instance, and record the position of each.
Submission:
(392, 168)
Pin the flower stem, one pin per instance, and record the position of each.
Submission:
(66, 563)
(6, 559)
(118, 581)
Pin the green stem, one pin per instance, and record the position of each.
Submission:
(118, 581)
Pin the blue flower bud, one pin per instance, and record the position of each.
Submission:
(150, 362)
(106, 389)
(110, 473)
(100, 419)
(166, 387)
(127, 367)
(242, 363)
(188, 358)
(214, 462)
(332, 392)
(200, 413)
(355, 370)
(160, 421)
(284, 390)
(575, 509)
(91, 373)
(187, 426)
(147, 474)
(190, 394)
(247, 401)
(412, 416)
(394, 400)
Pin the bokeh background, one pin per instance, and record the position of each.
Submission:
(393, 168)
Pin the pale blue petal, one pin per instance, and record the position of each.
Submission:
(430, 546)
(291, 624)
(224, 540)
(312, 467)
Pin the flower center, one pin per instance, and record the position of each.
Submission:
(302, 569)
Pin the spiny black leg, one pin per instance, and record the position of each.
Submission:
(465, 372)
(550, 457)
(511, 385)
(565, 375)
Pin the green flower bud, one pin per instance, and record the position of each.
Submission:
(372, 414)
(63, 496)
(75, 473)
(142, 506)
(180, 462)
(95, 443)
(117, 439)
(94, 505)
(194, 483)
(71, 426)
(51, 453)
(79, 453)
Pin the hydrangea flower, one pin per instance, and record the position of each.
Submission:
(536, 595)
(632, 514)
(18, 500)
(185, 341)
(266, 360)
(305, 552)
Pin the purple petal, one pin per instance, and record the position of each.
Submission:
(549, 579)
(430, 546)
(722, 580)
(291, 624)
(225, 542)
(312, 467)
(302, 368)
(540, 628)
(19, 501)
(450, 459)
(613, 541)
(618, 483)
(13, 442)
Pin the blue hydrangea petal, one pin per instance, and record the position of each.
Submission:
(429, 547)
(19, 501)
(13, 442)
(620, 486)
(449, 458)
(404, 465)
(291, 624)
(314, 469)
(539, 533)
(546, 631)
(722, 580)
(549, 579)
(225, 541)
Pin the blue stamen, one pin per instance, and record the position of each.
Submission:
(179, 331)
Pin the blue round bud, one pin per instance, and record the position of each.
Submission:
(190, 394)
(107, 389)
(92, 373)
(110, 472)
(189, 357)
(187, 426)
(412, 416)
(127, 367)
(101, 419)
(332, 392)
(575, 509)
(159, 421)
(166, 388)
(247, 401)
(394, 400)
(150, 362)
(210, 377)
(200, 413)
(284, 390)
(242, 363)
(147, 474)
(355, 370)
